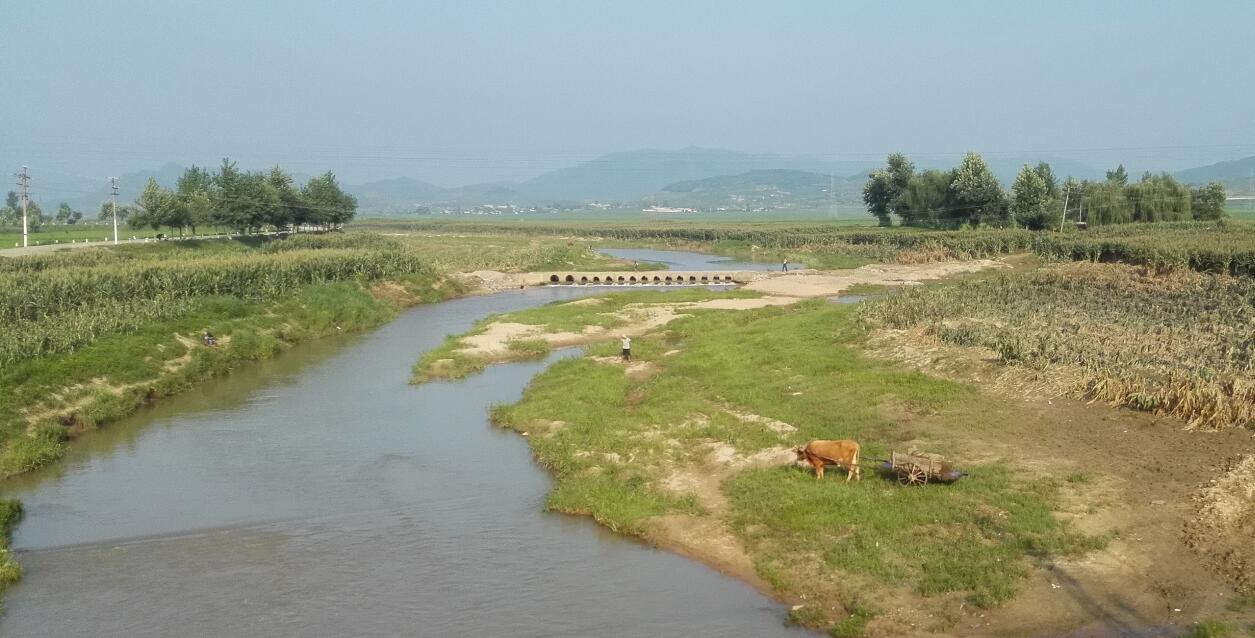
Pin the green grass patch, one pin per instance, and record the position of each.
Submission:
(573, 316)
(855, 624)
(10, 514)
(973, 536)
(1210, 629)
(617, 438)
(529, 348)
(867, 289)
(448, 361)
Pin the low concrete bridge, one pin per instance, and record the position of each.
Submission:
(651, 277)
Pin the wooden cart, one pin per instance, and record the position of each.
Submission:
(921, 468)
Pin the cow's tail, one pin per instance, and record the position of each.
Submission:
(854, 464)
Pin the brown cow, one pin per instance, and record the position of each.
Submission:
(839, 453)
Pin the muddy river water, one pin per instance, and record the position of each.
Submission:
(318, 494)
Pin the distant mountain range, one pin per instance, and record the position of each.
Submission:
(770, 188)
(1236, 175)
(689, 176)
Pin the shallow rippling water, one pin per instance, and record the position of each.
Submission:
(318, 494)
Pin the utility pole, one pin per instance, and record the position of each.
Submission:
(1066, 191)
(832, 182)
(113, 183)
(23, 180)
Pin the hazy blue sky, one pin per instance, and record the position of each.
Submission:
(454, 92)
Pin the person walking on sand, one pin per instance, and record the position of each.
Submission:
(785, 266)
(627, 347)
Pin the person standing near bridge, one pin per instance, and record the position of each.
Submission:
(784, 267)
(627, 347)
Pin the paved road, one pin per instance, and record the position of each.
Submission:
(47, 248)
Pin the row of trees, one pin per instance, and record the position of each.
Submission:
(242, 201)
(971, 195)
(11, 214)
(230, 198)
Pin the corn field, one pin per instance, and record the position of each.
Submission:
(1180, 343)
(73, 299)
(1224, 247)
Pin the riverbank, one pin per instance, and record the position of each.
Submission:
(93, 335)
(57, 398)
(319, 493)
(115, 329)
(688, 447)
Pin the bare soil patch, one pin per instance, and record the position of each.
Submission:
(1128, 474)
(486, 282)
(822, 284)
(1223, 527)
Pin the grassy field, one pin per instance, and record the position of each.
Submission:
(1175, 343)
(624, 446)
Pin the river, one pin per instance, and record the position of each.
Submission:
(681, 260)
(320, 494)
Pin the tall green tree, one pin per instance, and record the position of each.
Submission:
(1105, 203)
(231, 206)
(291, 208)
(12, 212)
(198, 208)
(34, 216)
(194, 191)
(1031, 205)
(1207, 202)
(158, 207)
(978, 196)
(926, 199)
(1159, 198)
(884, 188)
(332, 206)
(106, 212)
(67, 215)
(1047, 175)
(1119, 175)
(878, 195)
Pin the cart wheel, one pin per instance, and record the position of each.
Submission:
(912, 474)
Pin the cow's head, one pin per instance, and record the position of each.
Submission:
(800, 452)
